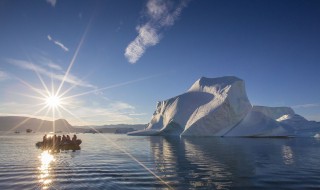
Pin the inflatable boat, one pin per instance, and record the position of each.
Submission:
(64, 146)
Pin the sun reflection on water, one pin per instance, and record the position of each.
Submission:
(44, 177)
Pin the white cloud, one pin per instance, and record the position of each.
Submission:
(306, 106)
(138, 114)
(54, 66)
(48, 63)
(58, 76)
(161, 14)
(52, 2)
(147, 37)
(314, 117)
(156, 8)
(58, 43)
(115, 112)
(61, 45)
(3, 75)
(121, 106)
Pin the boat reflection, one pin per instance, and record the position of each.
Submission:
(45, 177)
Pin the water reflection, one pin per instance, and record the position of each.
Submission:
(287, 155)
(214, 169)
(45, 177)
(225, 163)
(184, 165)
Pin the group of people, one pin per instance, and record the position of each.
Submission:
(51, 141)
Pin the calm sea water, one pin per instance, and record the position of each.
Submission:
(124, 162)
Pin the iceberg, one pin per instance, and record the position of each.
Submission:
(299, 126)
(274, 112)
(256, 124)
(220, 107)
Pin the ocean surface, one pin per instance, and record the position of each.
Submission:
(109, 161)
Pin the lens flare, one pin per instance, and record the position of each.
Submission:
(53, 101)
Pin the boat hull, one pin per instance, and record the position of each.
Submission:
(66, 146)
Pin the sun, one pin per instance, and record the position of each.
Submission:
(53, 101)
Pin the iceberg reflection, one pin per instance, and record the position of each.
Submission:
(287, 154)
(225, 163)
(181, 163)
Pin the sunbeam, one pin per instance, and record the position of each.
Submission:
(74, 57)
(118, 147)
(42, 121)
(25, 120)
(40, 78)
(113, 86)
(54, 101)
(31, 87)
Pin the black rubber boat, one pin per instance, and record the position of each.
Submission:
(65, 146)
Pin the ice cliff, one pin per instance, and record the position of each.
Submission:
(220, 107)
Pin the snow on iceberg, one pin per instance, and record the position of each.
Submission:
(299, 126)
(256, 124)
(210, 107)
(220, 107)
(273, 112)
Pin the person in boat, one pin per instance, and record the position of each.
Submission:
(59, 140)
(68, 139)
(44, 139)
(54, 140)
(48, 141)
(74, 138)
(64, 139)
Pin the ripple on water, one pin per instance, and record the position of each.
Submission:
(123, 162)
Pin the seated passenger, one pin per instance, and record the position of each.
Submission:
(44, 139)
(74, 138)
(68, 139)
(59, 140)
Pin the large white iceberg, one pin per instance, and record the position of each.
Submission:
(220, 107)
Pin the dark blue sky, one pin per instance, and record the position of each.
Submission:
(145, 51)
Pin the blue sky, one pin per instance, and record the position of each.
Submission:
(122, 56)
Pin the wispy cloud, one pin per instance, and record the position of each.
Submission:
(109, 112)
(100, 116)
(3, 75)
(160, 14)
(58, 43)
(57, 75)
(306, 106)
(52, 2)
(121, 106)
(313, 117)
(138, 114)
(49, 63)
(54, 66)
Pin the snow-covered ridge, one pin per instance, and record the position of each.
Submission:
(220, 107)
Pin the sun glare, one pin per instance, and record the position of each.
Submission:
(44, 176)
(53, 101)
